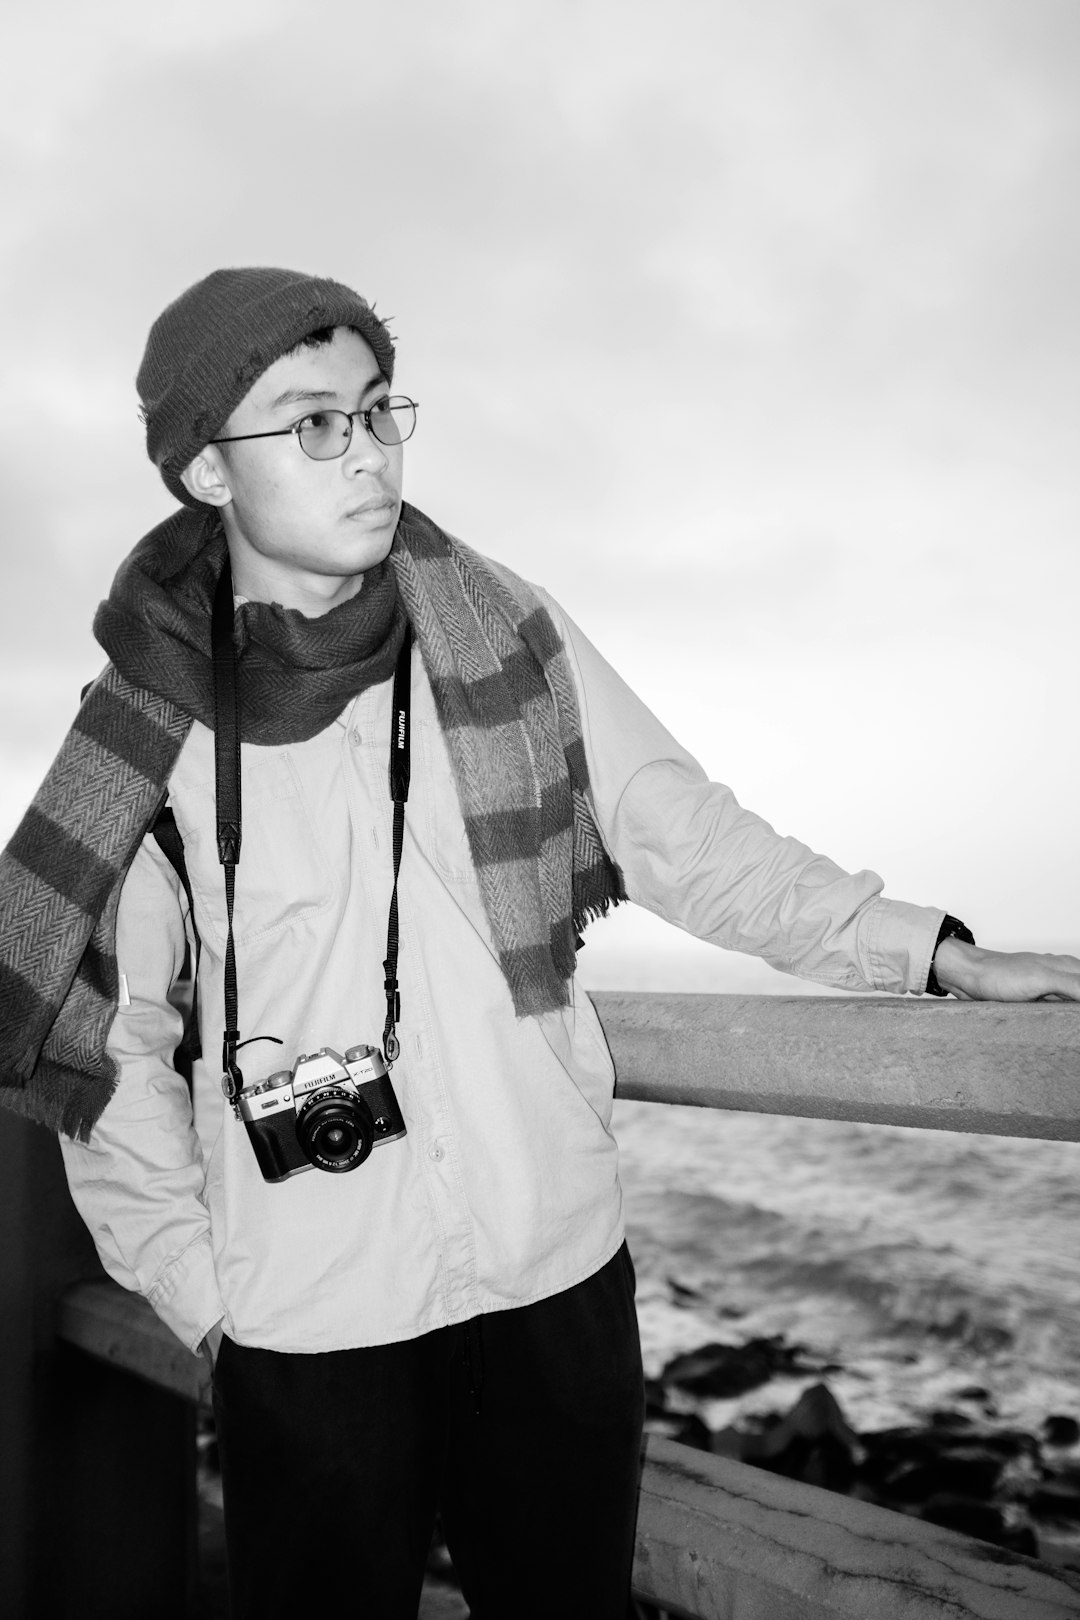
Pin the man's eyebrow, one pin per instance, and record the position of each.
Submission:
(318, 396)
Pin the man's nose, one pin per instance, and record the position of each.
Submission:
(365, 453)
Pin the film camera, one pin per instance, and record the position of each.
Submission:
(326, 1113)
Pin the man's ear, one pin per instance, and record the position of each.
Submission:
(205, 478)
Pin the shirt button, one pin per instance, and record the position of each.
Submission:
(354, 736)
(435, 1151)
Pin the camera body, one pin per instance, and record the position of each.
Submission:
(326, 1113)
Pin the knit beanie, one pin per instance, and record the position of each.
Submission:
(213, 342)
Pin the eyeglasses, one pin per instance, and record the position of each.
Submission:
(326, 435)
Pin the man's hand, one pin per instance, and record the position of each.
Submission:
(973, 974)
(210, 1345)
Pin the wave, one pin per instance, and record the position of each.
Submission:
(740, 1257)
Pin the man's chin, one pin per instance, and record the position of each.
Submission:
(363, 548)
(380, 546)
(371, 532)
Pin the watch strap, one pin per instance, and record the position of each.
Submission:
(951, 928)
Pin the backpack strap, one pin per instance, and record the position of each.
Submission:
(169, 841)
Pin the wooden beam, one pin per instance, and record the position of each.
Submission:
(718, 1540)
(1009, 1069)
(119, 1327)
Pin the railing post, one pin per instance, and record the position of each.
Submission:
(97, 1475)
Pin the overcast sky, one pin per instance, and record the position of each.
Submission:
(750, 329)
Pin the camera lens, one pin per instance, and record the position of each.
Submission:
(336, 1130)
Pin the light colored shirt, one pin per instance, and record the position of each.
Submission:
(505, 1188)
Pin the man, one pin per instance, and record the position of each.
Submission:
(450, 1325)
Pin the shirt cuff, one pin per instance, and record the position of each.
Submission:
(186, 1295)
(901, 947)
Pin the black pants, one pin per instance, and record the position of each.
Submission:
(523, 1427)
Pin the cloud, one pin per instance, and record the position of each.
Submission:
(751, 330)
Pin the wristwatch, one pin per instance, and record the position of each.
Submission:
(951, 928)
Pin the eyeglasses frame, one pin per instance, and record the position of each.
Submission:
(363, 415)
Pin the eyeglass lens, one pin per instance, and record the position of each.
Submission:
(325, 435)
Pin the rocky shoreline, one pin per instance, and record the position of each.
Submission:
(958, 1467)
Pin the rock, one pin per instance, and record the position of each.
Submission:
(1056, 1499)
(1009, 1443)
(724, 1370)
(954, 1469)
(730, 1442)
(969, 1471)
(948, 1419)
(888, 1451)
(978, 1396)
(1060, 1430)
(981, 1520)
(1023, 1539)
(682, 1295)
(686, 1427)
(912, 1444)
(978, 1519)
(812, 1443)
(906, 1468)
(655, 1397)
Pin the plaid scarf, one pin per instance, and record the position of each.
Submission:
(505, 698)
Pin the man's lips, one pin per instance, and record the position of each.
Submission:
(375, 503)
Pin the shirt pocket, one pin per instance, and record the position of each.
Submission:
(282, 876)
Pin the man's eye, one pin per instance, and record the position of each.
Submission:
(317, 420)
(381, 407)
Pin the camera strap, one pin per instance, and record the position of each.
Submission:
(399, 792)
(227, 799)
(229, 829)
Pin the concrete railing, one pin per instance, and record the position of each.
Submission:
(86, 1364)
(1005, 1069)
(717, 1540)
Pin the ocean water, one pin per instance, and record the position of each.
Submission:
(922, 1263)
